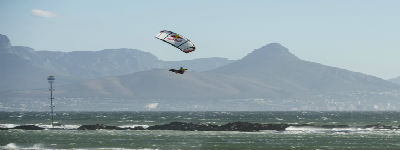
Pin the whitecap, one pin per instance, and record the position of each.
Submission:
(312, 129)
(64, 126)
(9, 146)
(127, 149)
(8, 125)
(305, 129)
(37, 146)
(133, 126)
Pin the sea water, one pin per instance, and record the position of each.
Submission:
(294, 137)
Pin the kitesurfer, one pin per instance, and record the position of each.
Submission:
(180, 70)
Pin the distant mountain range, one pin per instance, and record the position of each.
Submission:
(269, 78)
(24, 68)
(274, 65)
(269, 72)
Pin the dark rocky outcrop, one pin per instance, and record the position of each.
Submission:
(250, 127)
(277, 127)
(235, 126)
(28, 127)
(241, 126)
(185, 127)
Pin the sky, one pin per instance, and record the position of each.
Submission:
(357, 35)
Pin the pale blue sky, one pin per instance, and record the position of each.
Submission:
(362, 36)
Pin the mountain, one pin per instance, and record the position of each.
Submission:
(200, 64)
(162, 84)
(202, 90)
(274, 65)
(269, 72)
(94, 64)
(30, 68)
(269, 78)
(16, 72)
(5, 44)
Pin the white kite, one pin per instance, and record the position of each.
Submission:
(176, 40)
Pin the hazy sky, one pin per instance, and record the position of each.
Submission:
(362, 36)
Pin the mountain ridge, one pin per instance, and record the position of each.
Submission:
(268, 78)
(280, 75)
(77, 66)
(273, 62)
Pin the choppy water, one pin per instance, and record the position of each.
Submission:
(293, 138)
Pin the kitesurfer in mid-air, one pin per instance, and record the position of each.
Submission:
(178, 41)
(180, 71)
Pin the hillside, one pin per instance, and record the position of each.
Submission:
(25, 68)
(269, 78)
(274, 65)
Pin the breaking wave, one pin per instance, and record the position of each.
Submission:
(66, 126)
(313, 129)
(13, 146)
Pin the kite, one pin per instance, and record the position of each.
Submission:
(176, 40)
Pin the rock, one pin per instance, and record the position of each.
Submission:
(28, 127)
(184, 127)
(241, 126)
(277, 127)
(235, 126)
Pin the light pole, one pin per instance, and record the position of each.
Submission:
(51, 81)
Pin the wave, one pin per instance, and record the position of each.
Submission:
(7, 125)
(13, 146)
(133, 126)
(313, 129)
(46, 126)
(65, 126)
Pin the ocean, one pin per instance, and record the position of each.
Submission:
(353, 137)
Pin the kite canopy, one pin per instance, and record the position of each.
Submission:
(184, 44)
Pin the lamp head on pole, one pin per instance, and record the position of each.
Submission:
(51, 79)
